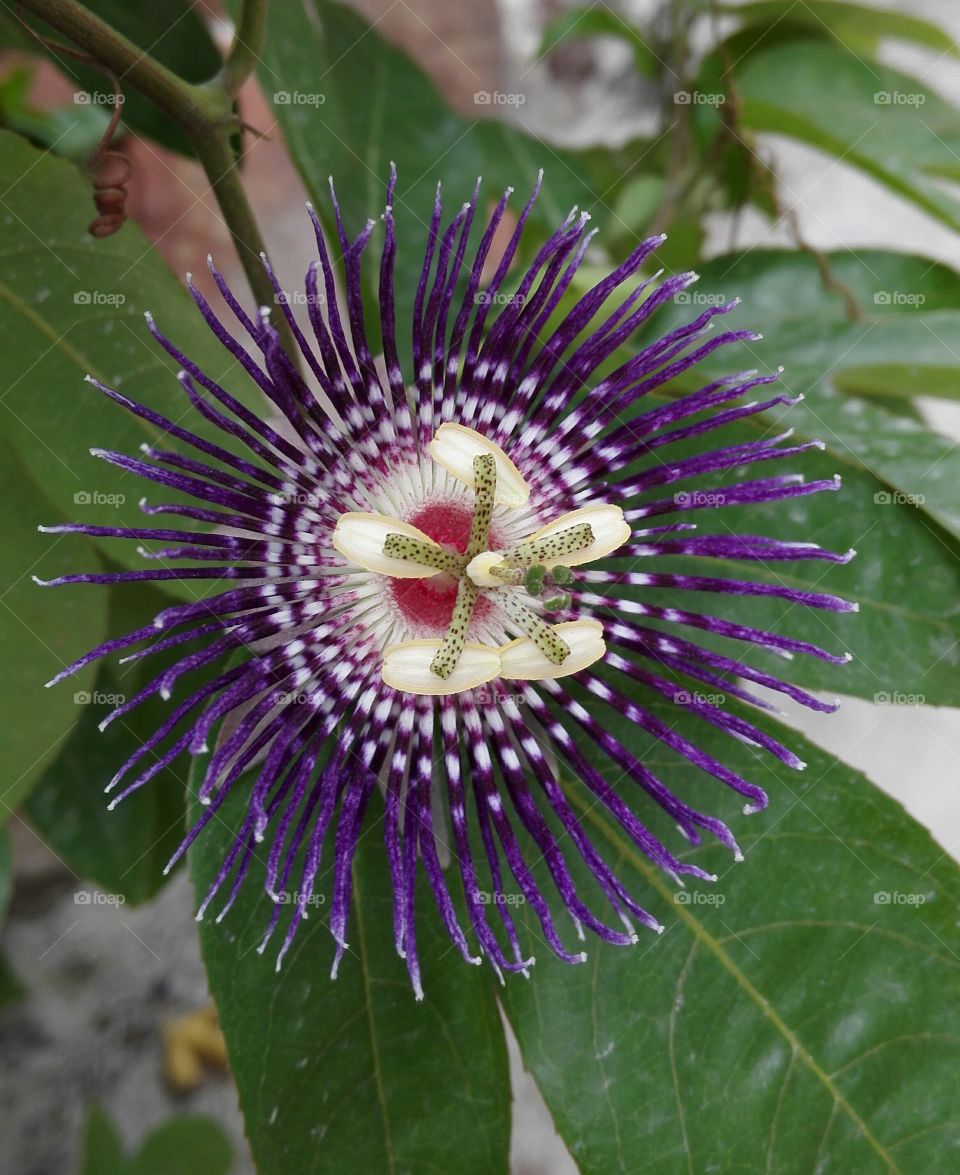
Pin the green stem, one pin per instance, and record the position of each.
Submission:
(247, 43)
(104, 44)
(204, 112)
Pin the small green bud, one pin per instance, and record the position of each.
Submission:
(558, 602)
(561, 574)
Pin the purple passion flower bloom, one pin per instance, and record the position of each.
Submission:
(424, 581)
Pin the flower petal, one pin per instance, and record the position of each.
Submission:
(610, 531)
(360, 537)
(407, 667)
(454, 447)
(522, 660)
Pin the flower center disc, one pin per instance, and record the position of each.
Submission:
(427, 604)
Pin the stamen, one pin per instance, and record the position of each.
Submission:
(455, 448)
(610, 531)
(361, 540)
(521, 660)
(407, 667)
(553, 647)
(403, 546)
(485, 485)
(554, 546)
(455, 637)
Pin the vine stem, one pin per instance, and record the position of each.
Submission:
(204, 112)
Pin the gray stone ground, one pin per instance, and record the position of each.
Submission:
(102, 979)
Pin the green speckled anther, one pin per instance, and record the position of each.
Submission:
(553, 647)
(485, 485)
(447, 656)
(554, 546)
(485, 479)
(402, 546)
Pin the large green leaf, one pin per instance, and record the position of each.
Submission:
(349, 103)
(124, 850)
(910, 310)
(181, 1144)
(897, 503)
(354, 1074)
(886, 123)
(71, 305)
(171, 31)
(798, 1015)
(857, 26)
(41, 629)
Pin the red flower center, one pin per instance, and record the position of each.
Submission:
(427, 604)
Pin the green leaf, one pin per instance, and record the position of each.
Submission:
(911, 318)
(71, 305)
(102, 1145)
(897, 503)
(350, 103)
(857, 26)
(171, 31)
(75, 131)
(183, 1143)
(899, 380)
(124, 850)
(599, 22)
(353, 1073)
(886, 123)
(42, 627)
(798, 1015)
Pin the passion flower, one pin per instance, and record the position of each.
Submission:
(426, 582)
